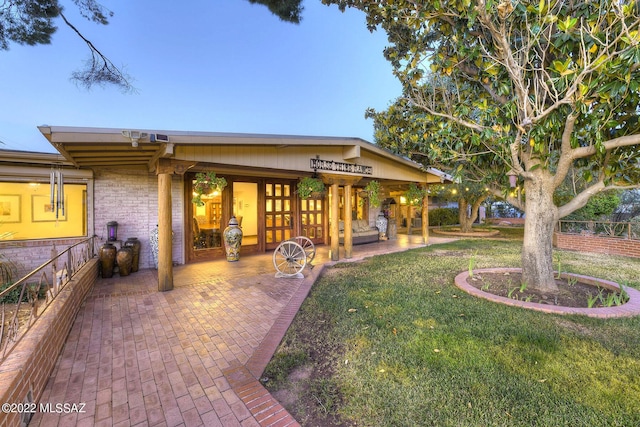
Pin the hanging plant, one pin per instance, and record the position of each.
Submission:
(415, 195)
(308, 186)
(206, 183)
(372, 192)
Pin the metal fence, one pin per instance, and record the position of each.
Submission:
(624, 230)
(24, 301)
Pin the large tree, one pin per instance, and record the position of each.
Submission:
(539, 87)
(33, 22)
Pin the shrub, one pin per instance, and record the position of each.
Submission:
(443, 216)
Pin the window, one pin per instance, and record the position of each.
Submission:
(26, 212)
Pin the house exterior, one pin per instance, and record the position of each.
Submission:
(144, 180)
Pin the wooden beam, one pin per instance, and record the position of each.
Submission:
(331, 179)
(348, 230)
(335, 217)
(173, 166)
(425, 216)
(165, 254)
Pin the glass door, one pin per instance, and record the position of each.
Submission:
(312, 210)
(245, 209)
(278, 213)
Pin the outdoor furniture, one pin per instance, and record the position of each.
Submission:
(362, 232)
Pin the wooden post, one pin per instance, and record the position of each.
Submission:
(165, 254)
(335, 217)
(425, 216)
(348, 230)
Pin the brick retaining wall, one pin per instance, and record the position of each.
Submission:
(28, 367)
(597, 244)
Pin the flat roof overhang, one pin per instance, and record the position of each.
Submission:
(88, 147)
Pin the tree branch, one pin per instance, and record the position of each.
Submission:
(100, 69)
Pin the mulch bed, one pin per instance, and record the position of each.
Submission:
(571, 294)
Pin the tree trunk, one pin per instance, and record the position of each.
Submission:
(537, 249)
(465, 221)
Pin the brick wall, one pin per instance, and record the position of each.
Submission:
(597, 244)
(126, 196)
(131, 198)
(27, 255)
(27, 369)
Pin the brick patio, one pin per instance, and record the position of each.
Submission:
(188, 357)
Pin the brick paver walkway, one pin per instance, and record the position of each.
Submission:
(188, 357)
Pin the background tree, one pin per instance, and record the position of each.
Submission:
(468, 195)
(539, 87)
(32, 22)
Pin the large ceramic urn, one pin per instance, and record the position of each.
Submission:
(124, 258)
(134, 244)
(107, 259)
(232, 236)
(381, 224)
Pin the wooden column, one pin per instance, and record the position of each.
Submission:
(335, 217)
(425, 216)
(165, 254)
(348, 229)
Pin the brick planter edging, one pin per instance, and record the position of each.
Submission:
(629, 309)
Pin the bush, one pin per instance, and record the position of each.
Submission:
(443, 216)
(13, 296)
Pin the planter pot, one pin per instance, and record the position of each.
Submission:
(134, 244)
(124, 259)
(107, 260)
(232, 237)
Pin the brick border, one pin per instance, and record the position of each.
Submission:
(244, 380)
(630, 309)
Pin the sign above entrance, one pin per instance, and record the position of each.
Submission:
(330, 165)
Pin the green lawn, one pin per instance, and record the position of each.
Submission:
(399, 345)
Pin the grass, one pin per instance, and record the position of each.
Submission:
(407, 348)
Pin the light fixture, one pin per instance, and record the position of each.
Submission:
(513, 178)
(112, 231)
(135, 136)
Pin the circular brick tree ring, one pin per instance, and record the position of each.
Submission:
(629, 309)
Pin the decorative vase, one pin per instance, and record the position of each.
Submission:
(107, 259)
(232, 236)
(392, 230)
(135, 245)
(153, 242)
(381, 224)
(124, 258)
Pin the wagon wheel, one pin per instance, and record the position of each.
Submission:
(307, 245)
(289, 259)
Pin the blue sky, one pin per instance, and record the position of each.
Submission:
(216, 66)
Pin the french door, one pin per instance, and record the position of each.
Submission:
(279, 213)
(312, 217)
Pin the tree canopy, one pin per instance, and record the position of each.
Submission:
(520, 85)
(33, 22)
(532, 88)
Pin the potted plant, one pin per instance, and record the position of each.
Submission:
(206, 183)
(415, 195)
(372, 192)
(308, 186)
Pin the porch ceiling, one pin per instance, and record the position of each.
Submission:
(105, 149)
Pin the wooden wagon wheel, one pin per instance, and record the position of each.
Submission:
(307, 245)
(289, 259)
